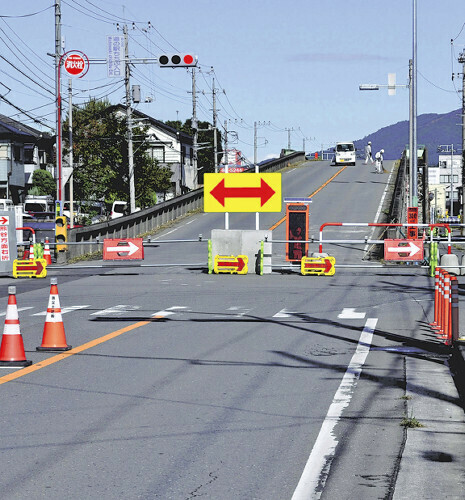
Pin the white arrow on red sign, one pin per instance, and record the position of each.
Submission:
(128, 247)
(410, 248)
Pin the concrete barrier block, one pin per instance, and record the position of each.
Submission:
(450, 263)
(462, 270)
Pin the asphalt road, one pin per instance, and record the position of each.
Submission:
(184, 384)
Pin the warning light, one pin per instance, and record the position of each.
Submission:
(296, 229)
(177, 60)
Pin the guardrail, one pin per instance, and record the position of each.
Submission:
(139, 223)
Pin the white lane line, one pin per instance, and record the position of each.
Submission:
(19, 310)
(316, 471)
(349, 313)
(284, 313)
(64, 310)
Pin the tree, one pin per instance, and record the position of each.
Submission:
(43, 183)
(205, 162)
(100, 148)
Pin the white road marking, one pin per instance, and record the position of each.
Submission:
(64, 310)
(119, 310)
(242, 311)
(284, 313)
(349, 313)
(316, 471)
(19, 310)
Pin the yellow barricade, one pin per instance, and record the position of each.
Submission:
(318, 265)
(36, 268)
(231, 264)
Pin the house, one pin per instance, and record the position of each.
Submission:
(449, 174)
(172, 148)
(23, 149)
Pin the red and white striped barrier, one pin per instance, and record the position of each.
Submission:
(446, 306)
(380, 224)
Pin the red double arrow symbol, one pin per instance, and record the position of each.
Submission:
(326, 265)
(220, 192)
(239, 264)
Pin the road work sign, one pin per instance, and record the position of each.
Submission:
(231, 264)
(242, 192)
(123, 249)
(318, 265)
(403, 250)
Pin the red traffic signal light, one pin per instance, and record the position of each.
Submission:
(297, 215)
(177, 60)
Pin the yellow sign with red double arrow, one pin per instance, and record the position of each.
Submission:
(231, 264)
(36, 268)
(241, 192)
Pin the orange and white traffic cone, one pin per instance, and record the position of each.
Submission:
(12, 348)
(47, 255)
(31, 251)
(54, 338)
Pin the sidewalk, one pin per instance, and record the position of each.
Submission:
(433, 461)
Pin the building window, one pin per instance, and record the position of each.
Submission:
(158, 153)
(17, 153)
(29, 153)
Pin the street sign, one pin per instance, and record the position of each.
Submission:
(123, 249)
(403, 250)
(231, 264)
(76, 63)
(115, 56)
(36, 268)
(242, 192)
(318, 265)
(412, 218)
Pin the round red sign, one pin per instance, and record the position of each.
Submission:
(75, 64)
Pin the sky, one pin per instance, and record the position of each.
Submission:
(292, 67)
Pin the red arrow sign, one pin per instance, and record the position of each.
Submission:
(4, 220)
(220, 192)
(327, 265)
(239, 264)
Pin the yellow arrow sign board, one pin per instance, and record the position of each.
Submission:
(242, 192)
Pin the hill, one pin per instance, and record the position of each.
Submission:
(432, 130)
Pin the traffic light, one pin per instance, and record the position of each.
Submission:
(177, 60)
(296, 229)
(61, 233)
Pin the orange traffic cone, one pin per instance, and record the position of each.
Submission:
(31, 251)
(47, 255)
(12, 348)
(54, 338)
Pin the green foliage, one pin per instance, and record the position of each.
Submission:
(100, 149)
(43, 183)
(205, 162)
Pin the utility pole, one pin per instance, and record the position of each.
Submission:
(255, 143)
(413, 152)
(462, 61)
(289, 130)
(194, 128)
(410, 132)
(226, 160)
(215, 145)
(127, 75)
(71, 157)
(57, 93)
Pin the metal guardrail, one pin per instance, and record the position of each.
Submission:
(149, 219)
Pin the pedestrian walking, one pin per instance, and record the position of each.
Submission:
(368, 156)
(379, 168)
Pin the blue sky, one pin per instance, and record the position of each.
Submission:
(286, 65)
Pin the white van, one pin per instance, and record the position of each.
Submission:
(344, 153)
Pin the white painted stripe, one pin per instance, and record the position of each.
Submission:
(118, 310)
(349, 313)
(316, 471)
(284, 313)
(63, 311)
(19, 310)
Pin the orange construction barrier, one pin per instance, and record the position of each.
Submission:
(445, 300)
(12, 347)
(54, 338)
(47, 255)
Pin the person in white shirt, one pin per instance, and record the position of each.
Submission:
(379, 161)
(368, 156)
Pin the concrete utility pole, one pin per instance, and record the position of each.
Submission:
(57, 93)
(410, 132)
(226, 160)
(289, 130)
(71, 156)
(215, 144)
(194, 128)
(255, 143)
(127, 75)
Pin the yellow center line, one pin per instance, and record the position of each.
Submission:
(71, 352)
(274, 226)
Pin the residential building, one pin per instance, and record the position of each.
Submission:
(448, 173)
(23, 149)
